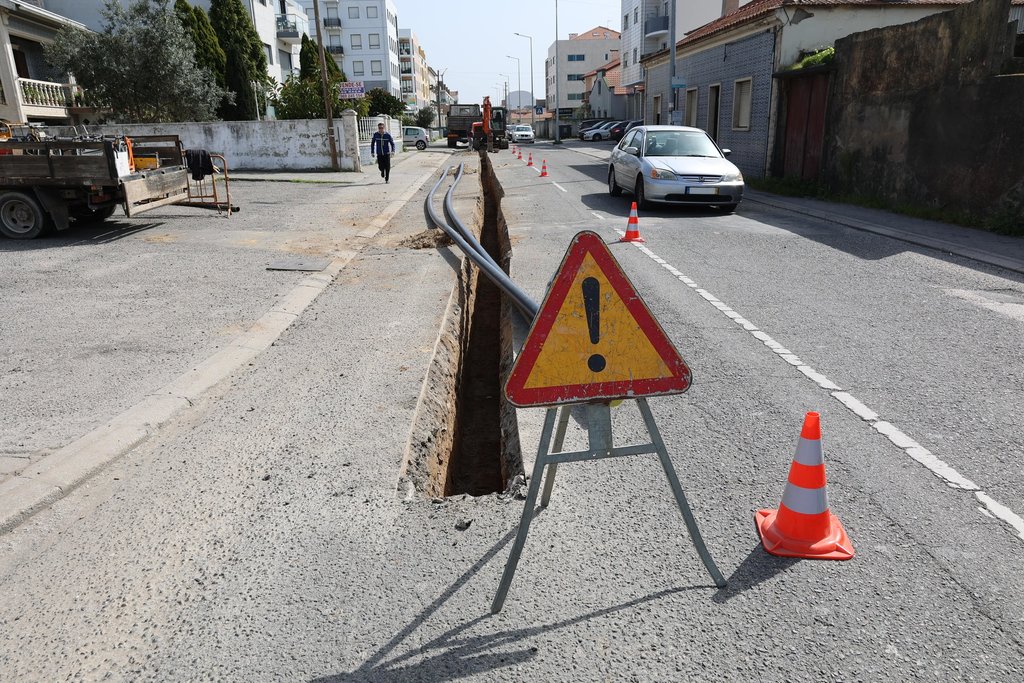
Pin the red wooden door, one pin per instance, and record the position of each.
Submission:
(805, 126)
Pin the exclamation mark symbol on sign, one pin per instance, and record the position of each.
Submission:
(592, 304)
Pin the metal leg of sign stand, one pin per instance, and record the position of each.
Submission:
(549, 481)
(599, 434)
(524, 522)
(684, 507)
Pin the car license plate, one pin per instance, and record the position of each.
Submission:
(702, 190)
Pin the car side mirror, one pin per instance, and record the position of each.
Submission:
(726, 152)
(635, 151)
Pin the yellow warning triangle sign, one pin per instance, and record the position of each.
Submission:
(594, 338)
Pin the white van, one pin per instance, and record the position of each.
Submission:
(412, 135)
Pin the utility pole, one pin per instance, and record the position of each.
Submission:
(533, 96)
(326, 89)
(519, 76)
(674, 102)
(558, 132)
(440, 86)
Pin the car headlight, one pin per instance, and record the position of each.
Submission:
(733, 177)
(658, 174)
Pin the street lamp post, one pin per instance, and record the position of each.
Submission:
(533, 118)
(558, 133)
(519, 75)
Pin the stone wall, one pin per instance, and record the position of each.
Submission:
(299, 144)
(926, 113)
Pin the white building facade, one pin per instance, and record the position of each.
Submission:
(577, 56)
(362, 36)
(30, 91)
(415, 73)
(646, 30)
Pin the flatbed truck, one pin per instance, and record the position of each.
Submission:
(54, 183)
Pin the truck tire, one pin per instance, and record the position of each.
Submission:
(21, 216)
(451, 143)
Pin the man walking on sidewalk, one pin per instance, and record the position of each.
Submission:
(383, 146)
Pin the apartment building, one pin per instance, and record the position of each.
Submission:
(414, 70)
(30, 91)
(362, 36)
(578, 55)
(646, 30)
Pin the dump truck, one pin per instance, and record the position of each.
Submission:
(460, 122)
(461, 118)
(56, 182)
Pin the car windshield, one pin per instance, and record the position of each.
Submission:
(679, 143)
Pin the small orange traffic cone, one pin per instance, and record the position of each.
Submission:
(530, 162)
(544, 168)
(803, 526)
(520, 153)
(633, 227)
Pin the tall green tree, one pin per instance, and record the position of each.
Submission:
(140, 66)
(209, 54)
(309, 62)
(383, 102)
(425, 117)
(245, 60)
(303, 97)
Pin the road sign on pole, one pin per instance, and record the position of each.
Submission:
(594, 338)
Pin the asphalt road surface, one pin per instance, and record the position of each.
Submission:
(260, 536)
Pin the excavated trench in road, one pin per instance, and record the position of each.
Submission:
(465, 437)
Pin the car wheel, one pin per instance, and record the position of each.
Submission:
(638, 193)
(727, 208)
(613, 187)
(420, 145)
(21, 217)
(597, 137)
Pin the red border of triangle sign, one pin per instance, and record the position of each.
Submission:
(561, 374)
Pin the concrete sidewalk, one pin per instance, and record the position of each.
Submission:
(986, 247)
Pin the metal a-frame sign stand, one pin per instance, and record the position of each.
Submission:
(594, 341)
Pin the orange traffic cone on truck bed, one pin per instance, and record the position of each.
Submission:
(803, 526)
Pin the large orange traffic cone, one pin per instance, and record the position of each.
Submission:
(530, 162)
(633, 227)
(544, 168)
(520, 153)
(803, 526)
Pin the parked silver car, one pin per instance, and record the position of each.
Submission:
(675, 165)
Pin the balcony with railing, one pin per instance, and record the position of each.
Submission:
(655, 26)
(46, 99)
(335, 49)
(332, 22)
(291, 27)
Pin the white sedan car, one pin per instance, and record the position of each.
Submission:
(674, 165)
(521, 133)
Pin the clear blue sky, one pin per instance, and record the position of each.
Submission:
(473, 46)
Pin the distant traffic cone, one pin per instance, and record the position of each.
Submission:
(520, 153)
(530, 162)
(544, 168)
(633, 227)
(803, 526)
